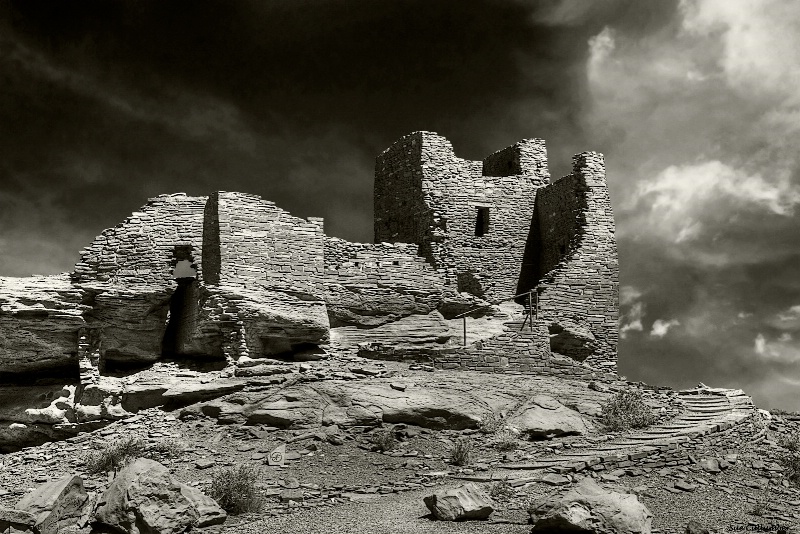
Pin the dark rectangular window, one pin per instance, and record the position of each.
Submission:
(482, 222)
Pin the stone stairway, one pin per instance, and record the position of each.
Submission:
(705, 411)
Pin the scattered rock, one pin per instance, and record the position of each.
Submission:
(16, 521)
(458, 504)
(205, 463)
(545, 417)
(685, 486)
(710, 465)
(56, 505)
(590, 508)
(208, 511)
(555, 480)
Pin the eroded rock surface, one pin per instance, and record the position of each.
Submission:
(588, 507)
(544, 417)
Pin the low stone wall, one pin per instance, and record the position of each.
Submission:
(367, 285)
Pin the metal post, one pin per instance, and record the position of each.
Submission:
(464, 318)
(530, 307)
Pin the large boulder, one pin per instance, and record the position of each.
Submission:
(572, 339)
(145, 498)
(459, 504)
(545, 417)
(590, 508)
(14, 521)
(56, 505)
(208, 511)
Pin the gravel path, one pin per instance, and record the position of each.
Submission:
(403, 513)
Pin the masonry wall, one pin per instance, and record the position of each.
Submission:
(453, 190)
(272, 265)
(372, 284)
(583, 286)
(140, 250)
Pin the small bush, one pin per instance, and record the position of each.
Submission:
(490, 423)
(235, 489)
(501, 491)
(790, 460)
(505, 439)
(383, 439)
(461, 452)
(171, 448)
(115, 455)
(626, 410)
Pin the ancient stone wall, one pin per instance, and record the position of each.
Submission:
(527, 158)
(471, 227)
(142, 249)
(583, 287)
(368, 285)
(274, 265)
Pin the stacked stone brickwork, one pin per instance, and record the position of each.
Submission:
(369, 285)
(141, 250)
(576, 264)
(272, 264)
(426, 195)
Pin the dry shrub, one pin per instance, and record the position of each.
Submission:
(383, 439)
(235, 489)
(626, 410)
(461, 452)
(117, 454)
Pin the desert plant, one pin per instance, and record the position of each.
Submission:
(627, 409)
(790, 459)
(171, 448)
(505, 439)
(383, 439)
(461, 451)
(490, 423)
(501, 490)
(115, 455)
(235, 489)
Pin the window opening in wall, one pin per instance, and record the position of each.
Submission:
(482, 222)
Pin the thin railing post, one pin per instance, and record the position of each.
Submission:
(465, 330)
(530, 307)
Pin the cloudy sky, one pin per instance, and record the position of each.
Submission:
(695, 103)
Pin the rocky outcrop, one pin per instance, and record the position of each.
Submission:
(16, 521)
(544, 417)
(460, 504)
(416, 331)
(590, 508)
(39, 318)
(348, 404)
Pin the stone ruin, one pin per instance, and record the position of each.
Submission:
(229, 278)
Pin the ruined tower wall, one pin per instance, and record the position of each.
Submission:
(583, 287)
(401, 216)
(471, 227)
